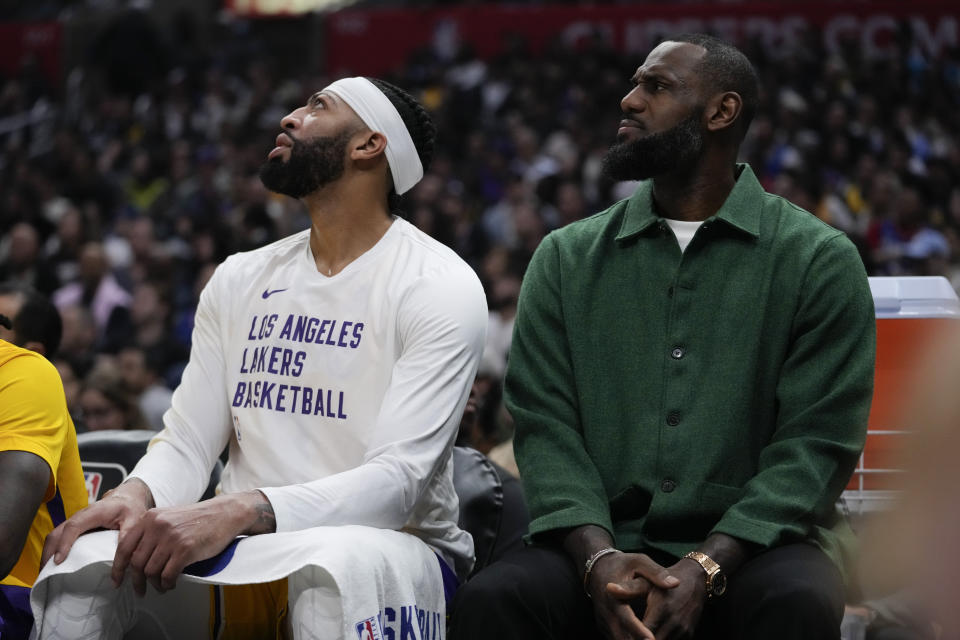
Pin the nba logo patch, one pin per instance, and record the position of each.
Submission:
(93, 481)
(369, 629)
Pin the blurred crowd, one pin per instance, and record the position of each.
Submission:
(123, 189)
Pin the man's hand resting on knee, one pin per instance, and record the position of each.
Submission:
(156, 544)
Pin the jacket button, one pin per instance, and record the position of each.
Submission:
(677, 353)
(673, 418)
(668, 486)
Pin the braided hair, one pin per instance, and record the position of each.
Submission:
(418, 123)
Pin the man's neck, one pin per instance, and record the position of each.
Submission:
(345, 224)
(695, 195)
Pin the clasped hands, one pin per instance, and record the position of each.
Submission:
(155, 544)
(671, 598)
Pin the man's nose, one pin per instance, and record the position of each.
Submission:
(291, 121)
(633, 102)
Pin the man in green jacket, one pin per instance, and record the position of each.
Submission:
(690, 377)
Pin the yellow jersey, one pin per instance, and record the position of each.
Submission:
(34, 418)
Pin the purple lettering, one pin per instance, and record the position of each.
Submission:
(318, 410)
(298, 363)
(287, 327)
(272, 367)
(285, 362)
(307, 401)
(323, 329)
(311, 331)
(301, 327)
(265, 400)
(343, 334)
(329, 340)
(238, 396)
(357, 330)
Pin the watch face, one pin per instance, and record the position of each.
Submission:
(719, 584)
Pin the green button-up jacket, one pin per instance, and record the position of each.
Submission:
(666, 395)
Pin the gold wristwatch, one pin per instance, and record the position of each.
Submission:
(716, 578)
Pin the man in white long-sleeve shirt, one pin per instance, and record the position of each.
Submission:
(335, 364)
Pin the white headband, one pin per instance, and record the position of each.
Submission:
(378, 113)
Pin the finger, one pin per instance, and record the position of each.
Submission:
(168, 578)
(127, 543)
(629, 621)
(69, 531)
(628, 589)
(50, 545)
(656, 618)
(177, 562)
(659, 575)
(138, 559)
(155, 567)
(139, 581)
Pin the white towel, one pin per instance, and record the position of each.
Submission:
(388, 580)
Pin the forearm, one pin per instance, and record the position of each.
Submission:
(382, 493)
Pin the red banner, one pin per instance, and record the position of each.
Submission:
(376, 41)
(23, 43)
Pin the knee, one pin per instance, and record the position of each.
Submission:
(806, 598)
(496, 588)
(802, 602)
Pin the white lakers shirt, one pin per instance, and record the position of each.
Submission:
(340, 397)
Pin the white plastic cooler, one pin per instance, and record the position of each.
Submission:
(912, 314)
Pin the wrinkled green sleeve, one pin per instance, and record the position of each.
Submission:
(823, 398)
(563, 488)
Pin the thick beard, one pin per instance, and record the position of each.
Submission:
(311, 165)
(657, 153)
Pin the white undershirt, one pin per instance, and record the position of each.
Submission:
(683, 230)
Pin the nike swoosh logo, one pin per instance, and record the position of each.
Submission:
(267, 293)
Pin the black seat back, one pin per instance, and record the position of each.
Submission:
(492, 507)
(109, 456)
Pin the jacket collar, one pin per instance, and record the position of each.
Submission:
(740, 210)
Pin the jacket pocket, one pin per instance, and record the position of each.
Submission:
(715, 499)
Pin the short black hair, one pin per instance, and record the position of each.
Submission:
(418, 122)
(38, 319)
(726, 68)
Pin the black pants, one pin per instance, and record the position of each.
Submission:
(790, 592)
